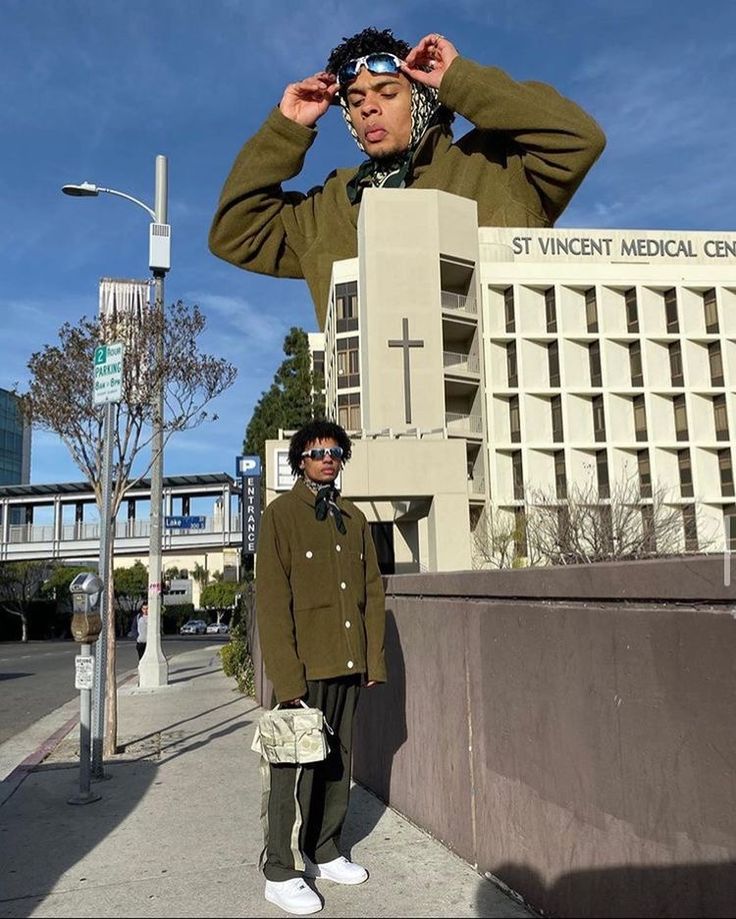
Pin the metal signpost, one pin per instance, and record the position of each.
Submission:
(248, 470)
(86, 590)
(107, 391)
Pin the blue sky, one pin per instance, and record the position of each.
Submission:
(93, 90)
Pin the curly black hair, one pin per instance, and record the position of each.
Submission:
(317, 430)
(366, 42)
(370, 41)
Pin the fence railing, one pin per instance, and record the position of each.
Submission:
(453, 301)
(461, 363)
(458, 423)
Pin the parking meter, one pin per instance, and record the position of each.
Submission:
(86, 591)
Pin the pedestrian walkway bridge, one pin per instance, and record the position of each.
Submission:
(70, 532)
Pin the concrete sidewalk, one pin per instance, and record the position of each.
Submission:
(177, 831)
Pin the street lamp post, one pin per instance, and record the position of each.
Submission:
(153, 668)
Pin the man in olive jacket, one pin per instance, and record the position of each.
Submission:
(321, 620)
(527, 154)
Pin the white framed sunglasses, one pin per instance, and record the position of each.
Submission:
(378, 62)
(318, 453)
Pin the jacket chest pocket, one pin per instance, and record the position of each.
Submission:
(311, 580)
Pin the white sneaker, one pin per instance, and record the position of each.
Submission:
(339, 870)
(293, 896)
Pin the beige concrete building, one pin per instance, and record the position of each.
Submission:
(523, 366)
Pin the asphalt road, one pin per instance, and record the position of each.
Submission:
(38, 677)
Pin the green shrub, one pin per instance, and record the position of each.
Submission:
(237, 661)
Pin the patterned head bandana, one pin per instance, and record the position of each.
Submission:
(391, 173)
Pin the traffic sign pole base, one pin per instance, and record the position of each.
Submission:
(84, 798)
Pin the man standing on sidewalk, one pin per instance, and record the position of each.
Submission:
(321, 620)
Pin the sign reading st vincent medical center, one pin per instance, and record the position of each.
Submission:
(617, 246)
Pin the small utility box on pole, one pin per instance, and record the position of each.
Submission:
(86, 591)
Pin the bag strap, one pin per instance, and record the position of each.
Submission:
(304, 705)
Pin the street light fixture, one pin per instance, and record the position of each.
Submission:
(153, 668)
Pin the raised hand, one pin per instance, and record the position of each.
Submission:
(427, 62)
(307, 101)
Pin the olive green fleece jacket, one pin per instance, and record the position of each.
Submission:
(522, 163)
(319, 597)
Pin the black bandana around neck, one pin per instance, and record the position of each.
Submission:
(392, 172)
(326, 502)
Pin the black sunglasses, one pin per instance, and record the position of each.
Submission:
(318, 453)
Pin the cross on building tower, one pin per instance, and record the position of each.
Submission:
(406, 343)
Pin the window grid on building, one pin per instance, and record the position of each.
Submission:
(715, 362)
(550, 309)
(675, 354)
(710, 308)
(720, 417)
(594, 363)
(632, 310)
(348, 363)
(645, 473)
(560, 475)
(725, 469)
(512, 374)
(509, 312)
(556, 411)
(640, 418)
(514, 420)
(346, 306)
(591, 310)
(553, 362)
(649, 537)
(670, 310)
(518, 475)
(601, 468)
(348, 411)
(690, 527)
(637, 378)
(680, 413)
(685, 470)
(599, 419)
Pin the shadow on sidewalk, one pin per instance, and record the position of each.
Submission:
(43, 838)
(671, 891)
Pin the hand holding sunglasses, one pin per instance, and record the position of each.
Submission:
(429, 60)
(306, 101)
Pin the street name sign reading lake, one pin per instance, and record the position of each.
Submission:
(108, 374)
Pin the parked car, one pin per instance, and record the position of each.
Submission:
(193, 627)
(218, 628)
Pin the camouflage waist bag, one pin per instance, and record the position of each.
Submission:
(292, 735)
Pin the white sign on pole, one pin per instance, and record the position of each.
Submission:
(84, 674)
(108, 374)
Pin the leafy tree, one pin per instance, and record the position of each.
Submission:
(200, 574)
(59, 399)
(131, 587)
(57, 584)
(294, 398)
(220, 597)
(20, 584)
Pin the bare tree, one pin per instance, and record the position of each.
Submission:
(583, 528)
(59, 399)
